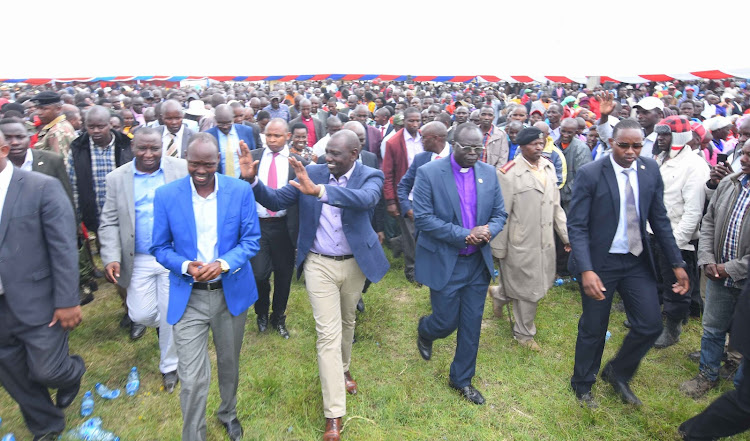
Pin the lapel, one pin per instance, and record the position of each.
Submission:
(642, 189)
(609, 175)
(128, 186)
(450, 187)
(484, 198)
(318, 177)
(223, 197)
(14, 189)
(524, 169)
(37, 164)
(186, 200)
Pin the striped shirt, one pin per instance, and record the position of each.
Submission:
(732, 241)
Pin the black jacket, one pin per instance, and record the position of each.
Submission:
(80, 150)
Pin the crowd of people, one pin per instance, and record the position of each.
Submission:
(196, 198)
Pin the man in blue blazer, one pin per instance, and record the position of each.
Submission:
(612, 199)
(458, 209)
(205, 232)
(433, 142)
(337, 248)
(229, 135)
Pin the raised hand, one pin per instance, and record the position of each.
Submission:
(606, 103)
(303, 183)
(248, 167)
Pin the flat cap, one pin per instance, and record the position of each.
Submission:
(46, 97)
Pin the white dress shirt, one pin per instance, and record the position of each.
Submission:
(27, 163)
(5, 177)
(413, 145)
(319, 148)
(282, 175)
(206, 228)
(620, 241)
(166, 138)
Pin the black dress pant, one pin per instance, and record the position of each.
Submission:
(33, 359)
(676, 307)
(276, 255)
(728, 415)
(632, 277)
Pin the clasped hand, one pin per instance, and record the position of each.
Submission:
(479, 235)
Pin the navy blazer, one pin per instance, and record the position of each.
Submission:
(437, 219)
(595, 211)
(357, 200)
(238, 239)
(245, 133)
(407, 181)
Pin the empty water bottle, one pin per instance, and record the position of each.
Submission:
(558, 282)
(1, 422)
(87, 405)
(134, 382)
(107, 393)
(9, 437)
(90, 430)
(607, 335)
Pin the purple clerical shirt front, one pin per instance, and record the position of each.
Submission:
(330, 238)
(467, 194)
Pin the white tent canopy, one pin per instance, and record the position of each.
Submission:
(87, 38)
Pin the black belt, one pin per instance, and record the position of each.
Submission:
(207, 286)
(272, 219)
(344, 257)
(467, 255)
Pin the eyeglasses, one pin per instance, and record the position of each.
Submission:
(469, 148)
(625, 145)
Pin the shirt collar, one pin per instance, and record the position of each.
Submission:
(6, 174)
(283, 152)
(346, 175)
(457, 168)
(177, 135)
(446, 151)
(111, 142)
(408, 137)
(212, 195)
(29, 160)
(618, 168)
(232, 132)
(160, 169)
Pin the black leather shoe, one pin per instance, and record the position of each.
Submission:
(469, 392)
(234, 429)
(66, 395)
(125, 321)
(137, 331)
(424, 345)
(98, 274)
(52, 436)
(262, 323)
(361, 305)
(587, 400)
(279, 324)
(169, 380)
(621, 388)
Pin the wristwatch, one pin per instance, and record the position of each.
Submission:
(224, 265)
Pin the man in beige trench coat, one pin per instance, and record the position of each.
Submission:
(526, 246)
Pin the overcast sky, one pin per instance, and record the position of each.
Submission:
(465, 37)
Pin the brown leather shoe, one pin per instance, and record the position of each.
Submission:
(351, 385)
(333, 429)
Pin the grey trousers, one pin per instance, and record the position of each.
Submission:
(408, 244)
(207, 310)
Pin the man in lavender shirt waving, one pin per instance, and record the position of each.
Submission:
(458, 209)
(337, 248)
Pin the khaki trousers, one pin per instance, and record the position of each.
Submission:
(334, 287)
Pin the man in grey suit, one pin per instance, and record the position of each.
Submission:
(125, 228)
(175, 135)
(38, 296)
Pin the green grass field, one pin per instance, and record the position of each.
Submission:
(401, 396)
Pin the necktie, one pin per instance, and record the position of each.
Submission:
(635, 246)
(272, 178)
(228, 158)
(382, 130)
(172, 148)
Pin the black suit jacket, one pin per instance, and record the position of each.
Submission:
(51, 164)
(595, 211)
(292, 212)
(38, 249)
(740, 333)
(256, 133)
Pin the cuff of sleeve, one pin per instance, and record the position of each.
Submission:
(185, 267)
(224, 264)
(323, 195)
(254, 182)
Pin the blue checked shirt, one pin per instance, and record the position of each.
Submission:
(729, 250)
(102, 162)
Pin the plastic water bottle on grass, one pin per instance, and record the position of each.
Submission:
(107, 393)
(9, 437)
(87, 405)
(134, 382)
(90, 430)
